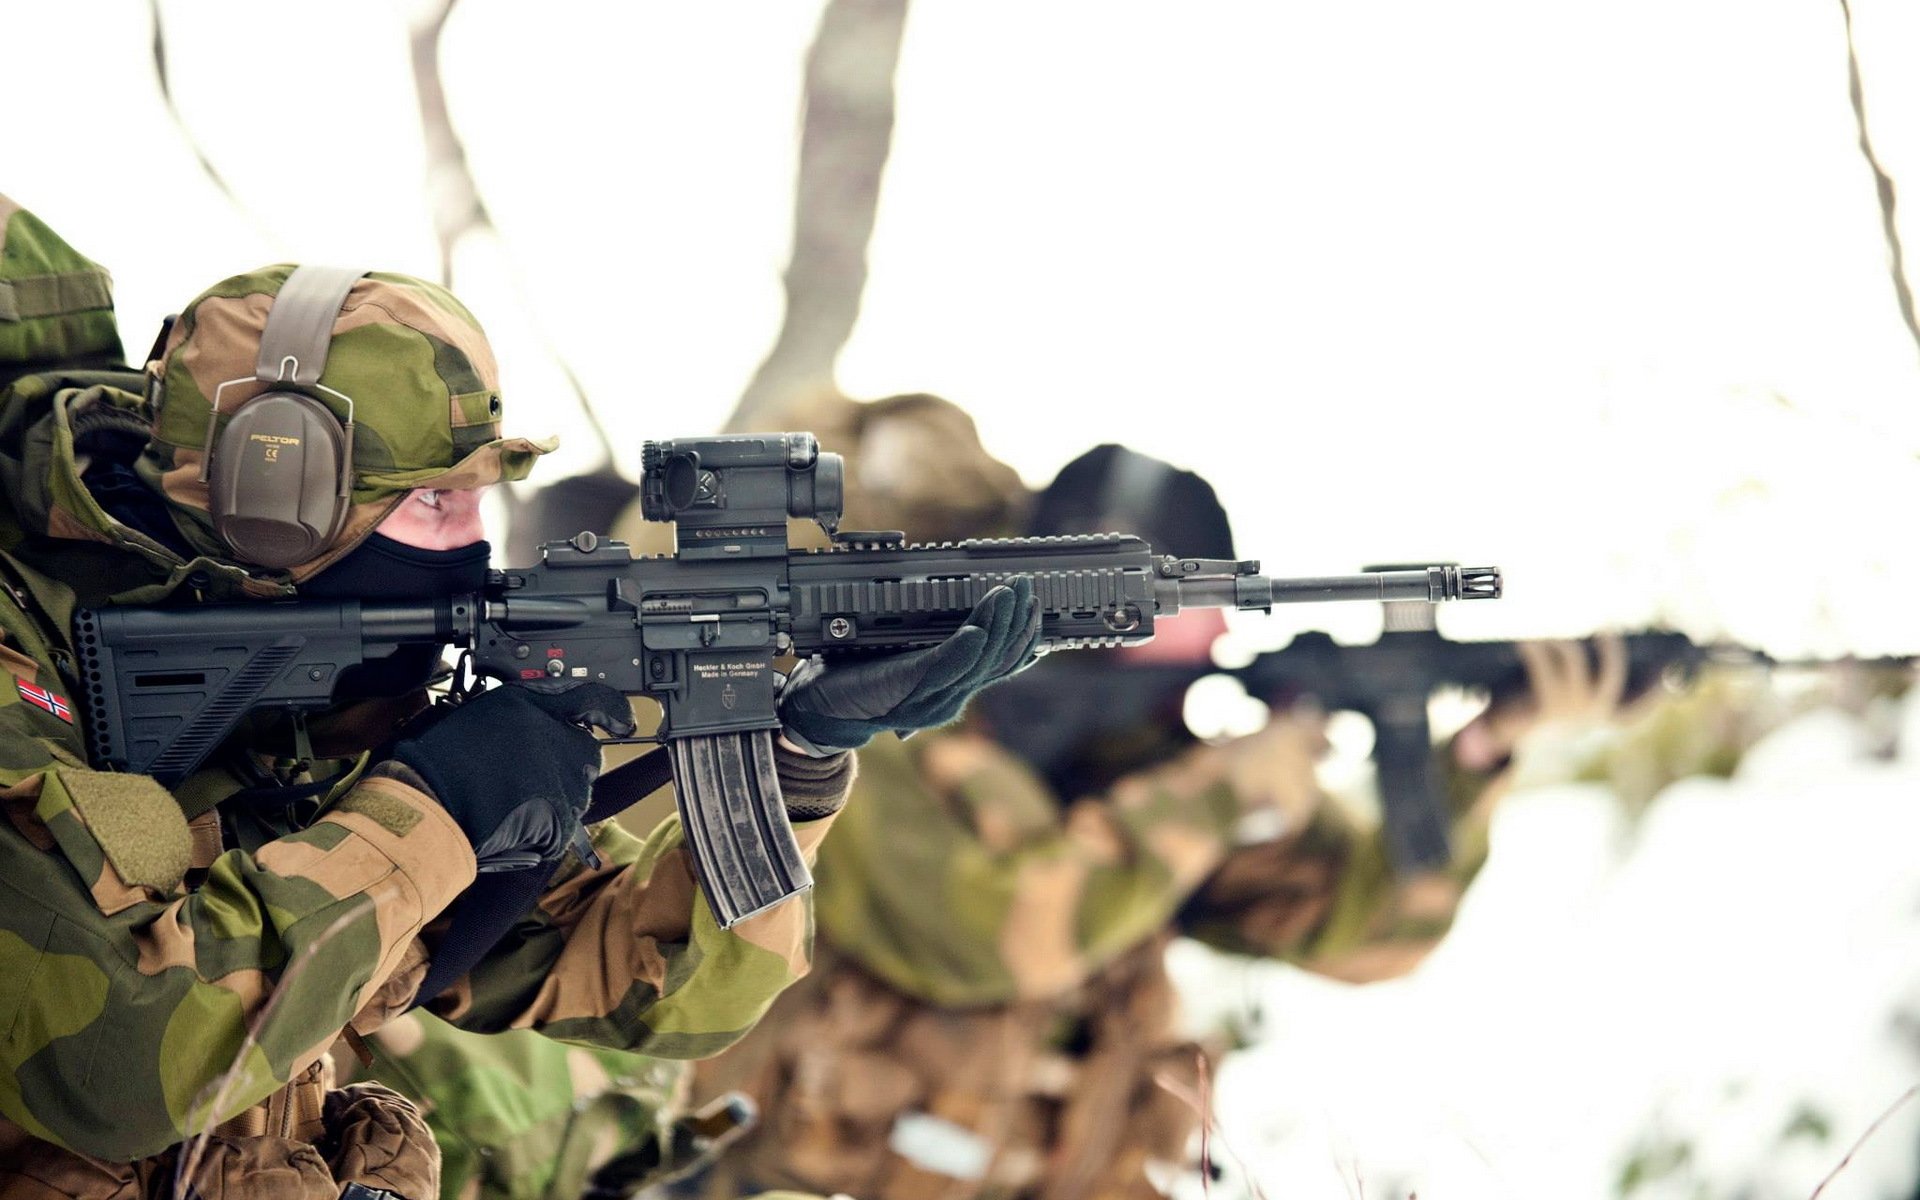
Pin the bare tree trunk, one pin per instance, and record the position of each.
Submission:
(1882, 183)
(563, 506)
(845, 136)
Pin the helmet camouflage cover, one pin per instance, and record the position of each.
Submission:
(415, 363)
(915, 463)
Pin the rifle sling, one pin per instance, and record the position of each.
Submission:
(482, 915)
(628, 784)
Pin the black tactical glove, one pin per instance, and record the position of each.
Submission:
(825, 709)
(515, 767)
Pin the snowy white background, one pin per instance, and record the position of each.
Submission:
(1736, 980)
(1593, 291)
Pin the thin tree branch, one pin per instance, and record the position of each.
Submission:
(194, 146)
(1882, 182)
(451, 190)
(1199, 1098)
(1871, 1130)
(217, 1096)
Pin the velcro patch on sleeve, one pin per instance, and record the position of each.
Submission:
(139, 826)
(381, 807)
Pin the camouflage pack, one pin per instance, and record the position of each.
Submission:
(56, 304)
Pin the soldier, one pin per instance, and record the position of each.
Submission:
(990, 1013)
(178, 962)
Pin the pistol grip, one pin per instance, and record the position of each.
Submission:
(744, 852)
(1413, 811)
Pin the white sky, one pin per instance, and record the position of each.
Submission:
(1594, 292)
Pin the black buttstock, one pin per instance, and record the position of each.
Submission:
(164, 687)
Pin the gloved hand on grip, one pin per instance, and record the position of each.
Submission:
(826, 709)
(515, 767)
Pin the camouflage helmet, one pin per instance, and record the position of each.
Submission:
(424, 388)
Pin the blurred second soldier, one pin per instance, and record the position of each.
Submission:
(989, 1014)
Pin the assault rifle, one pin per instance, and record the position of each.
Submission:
(696, 631)
(1389, 681)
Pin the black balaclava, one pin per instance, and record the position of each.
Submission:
(383, 569)
(1085, 719)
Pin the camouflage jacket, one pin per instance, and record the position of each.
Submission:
(169, 962)
(991, 1016)
(519, 1116)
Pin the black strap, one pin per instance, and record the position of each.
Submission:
(628, 784)
(478, 920)
(486, 911)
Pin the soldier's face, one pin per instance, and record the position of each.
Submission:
(437, 519)
(1183, 639)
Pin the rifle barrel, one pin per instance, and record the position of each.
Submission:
(1432, 584)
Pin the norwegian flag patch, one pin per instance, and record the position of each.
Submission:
(42, 698)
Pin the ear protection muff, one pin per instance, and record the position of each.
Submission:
(280, 474)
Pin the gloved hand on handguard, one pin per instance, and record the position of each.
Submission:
(826, 709)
